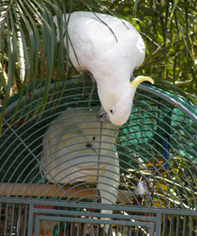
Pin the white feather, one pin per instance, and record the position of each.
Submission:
(141, 188)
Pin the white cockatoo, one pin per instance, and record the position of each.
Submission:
(109, 49)
(78, 147)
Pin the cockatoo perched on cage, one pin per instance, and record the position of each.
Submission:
(78, 147)
(109, 49)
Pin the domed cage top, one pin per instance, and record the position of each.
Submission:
(65, 173)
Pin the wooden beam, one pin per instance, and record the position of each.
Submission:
(52, 190)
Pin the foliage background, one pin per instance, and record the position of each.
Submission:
(29, 50)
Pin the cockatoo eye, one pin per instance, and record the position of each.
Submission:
(112, 110)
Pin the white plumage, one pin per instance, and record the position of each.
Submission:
(110, 49)
(75, 149)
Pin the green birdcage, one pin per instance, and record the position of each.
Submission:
(157, 152)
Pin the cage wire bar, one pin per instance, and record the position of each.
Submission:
(149, 166)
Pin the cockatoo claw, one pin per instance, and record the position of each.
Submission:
(103, 116)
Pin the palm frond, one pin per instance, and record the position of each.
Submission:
(29, 50)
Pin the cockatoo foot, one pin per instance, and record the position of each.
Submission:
(103, 116)
(87, 73)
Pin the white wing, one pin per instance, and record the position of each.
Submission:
(104, 45)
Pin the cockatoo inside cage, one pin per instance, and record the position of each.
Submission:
(77, 147)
